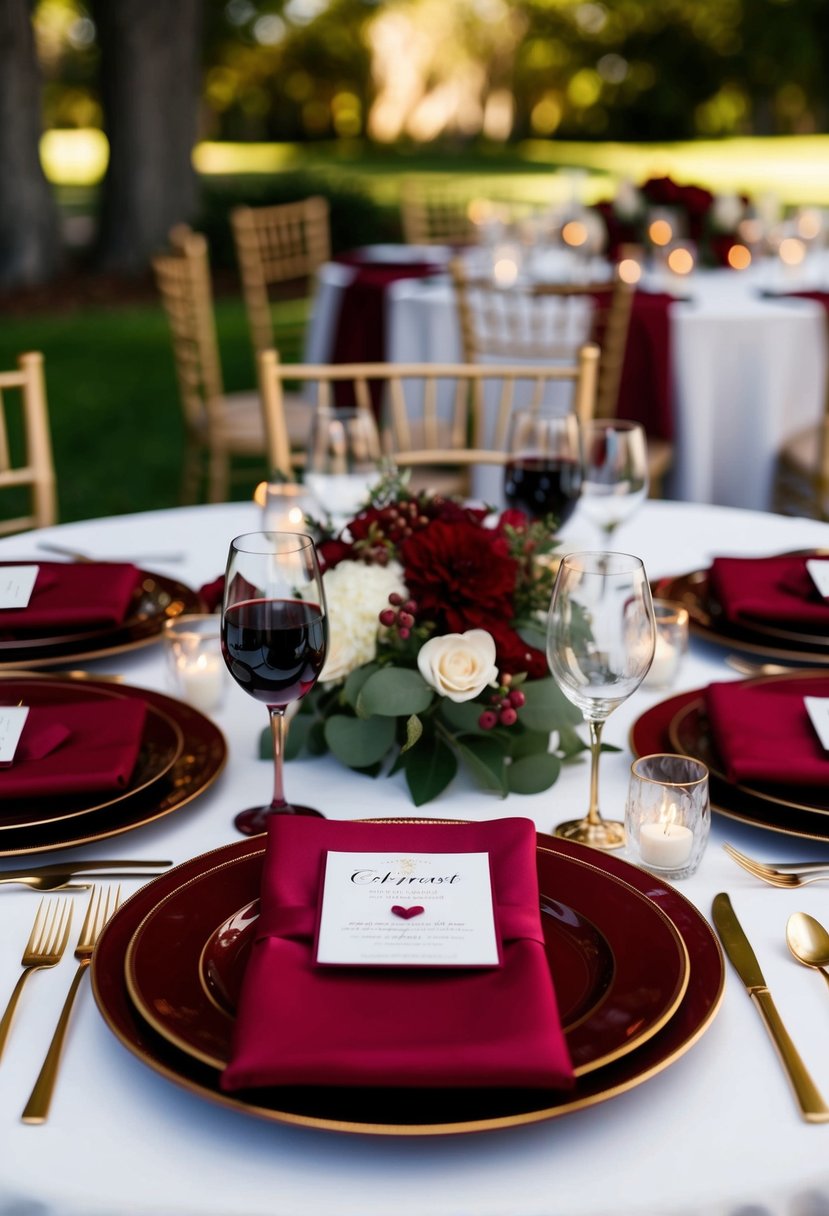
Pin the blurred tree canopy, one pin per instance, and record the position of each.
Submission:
(501, 69)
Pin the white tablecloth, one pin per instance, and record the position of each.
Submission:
(716, 1130)
(748, 372)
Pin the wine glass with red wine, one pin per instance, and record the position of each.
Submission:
(274, 636)
(544, 469)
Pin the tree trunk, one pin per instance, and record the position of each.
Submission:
(150, 88)
(29, 231)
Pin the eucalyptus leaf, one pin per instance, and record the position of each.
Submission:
(570, 743)
(359, 742)
(485, 761)
(534, 635)
(461, 715)
(355, 681)
(429, 770)
(394, 692)
(529, 743)
(532, 774)
(546, 707)
(296, 736)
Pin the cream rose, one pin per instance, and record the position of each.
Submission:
(355, 595)
(459, 665)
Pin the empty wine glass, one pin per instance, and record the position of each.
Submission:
(543, 470)
(274, 637)
(344, 460)
(600, 644)
(615, 481)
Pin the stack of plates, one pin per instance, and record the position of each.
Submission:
(182, 752)
(156, 599)
(168, 968)
(679, 724)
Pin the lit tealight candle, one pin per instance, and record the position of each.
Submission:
(681, 260)
(660, 232)
(666, 657)
(202, 680)
(665, 845)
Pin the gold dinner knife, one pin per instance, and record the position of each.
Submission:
(744, 960)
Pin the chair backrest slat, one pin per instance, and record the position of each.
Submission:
(35, 468)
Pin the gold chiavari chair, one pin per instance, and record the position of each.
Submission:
(539, 321)
(219, 426)
(26, 447)
(434, 213)
(284, 244)
(437, 419)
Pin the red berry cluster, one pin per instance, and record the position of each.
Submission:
(401, 615)
(505, 705)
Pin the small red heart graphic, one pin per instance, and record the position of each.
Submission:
(407, 913)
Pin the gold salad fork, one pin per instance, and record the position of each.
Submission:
(783, 874)
(45, 947)
(98, 912)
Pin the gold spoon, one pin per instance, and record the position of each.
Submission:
(808, 941)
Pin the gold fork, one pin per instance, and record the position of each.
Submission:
(45, 947)
(98, 912)
(783, 874)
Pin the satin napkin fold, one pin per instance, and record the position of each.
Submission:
(772, 590)
(77, 595)
(74, 748)
(763, 732)
(299, 1023)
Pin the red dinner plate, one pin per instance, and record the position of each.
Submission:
(156, 599)
(612, 995)
(161, 746)
(363, 1110)
(199, 762)
(651, 734)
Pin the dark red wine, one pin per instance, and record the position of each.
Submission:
(274, 649)
(541, 486)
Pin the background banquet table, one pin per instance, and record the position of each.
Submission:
(712, 1133)
(747, 371)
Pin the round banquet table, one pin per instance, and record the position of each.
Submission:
(747, 371)
(715, 1132)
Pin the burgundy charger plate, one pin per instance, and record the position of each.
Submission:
(356, 1110)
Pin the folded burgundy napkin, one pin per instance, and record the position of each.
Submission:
(78, 747)
(763, 732)
(77, 595)
(300, 1023)
(771, 590)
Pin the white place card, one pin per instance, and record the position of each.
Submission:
(12, 720)
(16, 585)
(413, 910)
(818, 567)
(818, 710)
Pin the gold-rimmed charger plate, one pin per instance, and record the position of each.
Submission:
(161, 745)
(692, 590)
(156, 599)
(612, 996)
(199, 763)
(362, 1111)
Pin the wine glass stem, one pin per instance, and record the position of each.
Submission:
(595, 731)
(278, 735)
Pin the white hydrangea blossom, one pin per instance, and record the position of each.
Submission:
(355, 595)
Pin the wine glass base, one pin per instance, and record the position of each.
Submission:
(255, 820)
(606, 834)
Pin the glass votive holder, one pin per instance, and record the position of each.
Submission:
(194, 658)
(668, 814)
(285, 505)
(671, 622)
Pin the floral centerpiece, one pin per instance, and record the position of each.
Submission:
(711, 221)
(437, 624)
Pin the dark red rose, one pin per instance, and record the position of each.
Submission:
(513, 518)
(461, 575)
(332, 552)
(514, 655)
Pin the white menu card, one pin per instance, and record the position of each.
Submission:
(418, 909)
